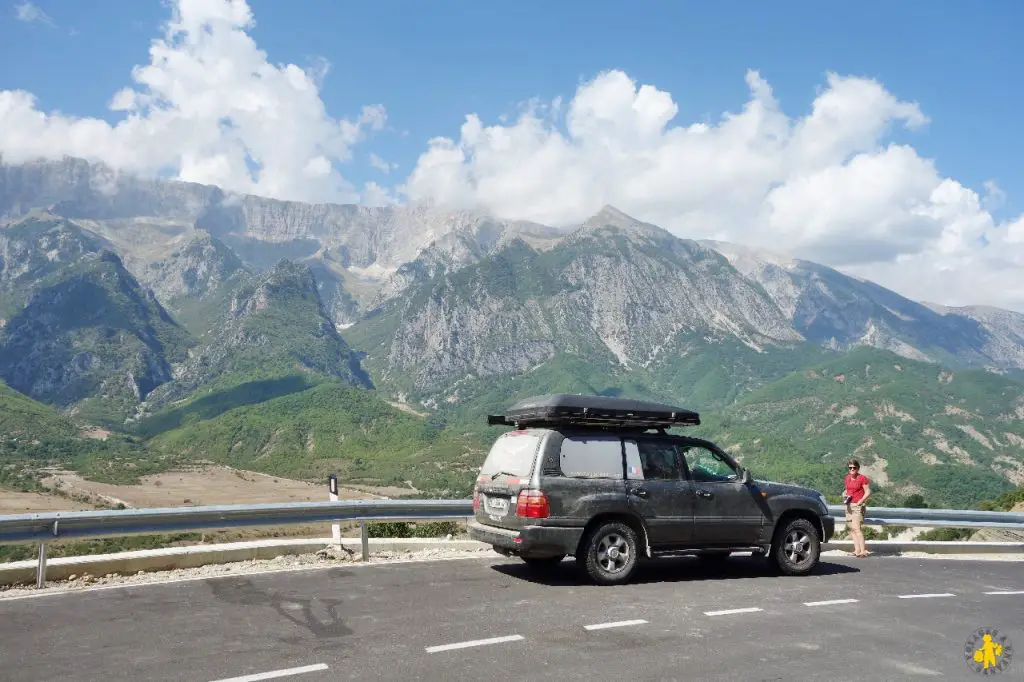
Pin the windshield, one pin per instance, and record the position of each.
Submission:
(512, 454)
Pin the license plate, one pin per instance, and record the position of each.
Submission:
(498, 503)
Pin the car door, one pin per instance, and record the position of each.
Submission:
(725, 511)
(657, 489)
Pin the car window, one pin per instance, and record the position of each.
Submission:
(512, 454)
(591, 457)
(652, 460)
(707, 467)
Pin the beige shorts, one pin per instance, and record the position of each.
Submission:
(854, 515)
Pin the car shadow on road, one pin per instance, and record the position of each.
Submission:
(664, 570)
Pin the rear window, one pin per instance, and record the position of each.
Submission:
(512, 454)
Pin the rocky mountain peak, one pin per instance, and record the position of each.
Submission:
(197, 269)
(285, 284)
(612, 219)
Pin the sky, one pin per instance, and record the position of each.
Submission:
(877, 138)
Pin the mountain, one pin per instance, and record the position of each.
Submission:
(955, 436)
(839, 311)
(87, 336)
(289, 337)
(1004, 342)
(148, 219)
(273, 325)
(620, 296)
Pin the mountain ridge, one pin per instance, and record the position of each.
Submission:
(287, 311)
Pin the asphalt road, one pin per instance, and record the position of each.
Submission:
(678, 621)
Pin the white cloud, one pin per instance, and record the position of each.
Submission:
(210, 106)
(826, 186)
(28, 12)
(380, 164)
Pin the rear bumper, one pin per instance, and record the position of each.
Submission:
(532, 540)
(828, 524)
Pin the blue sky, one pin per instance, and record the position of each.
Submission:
(829, 188)
(432, 63)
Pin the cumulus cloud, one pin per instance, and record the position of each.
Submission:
(209, 107)
(828, 186)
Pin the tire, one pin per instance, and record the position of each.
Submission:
(796, 547)
(610, 553)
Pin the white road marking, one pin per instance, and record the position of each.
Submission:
(274, 674)
(617, 624)
(1001, 593)
(729, 611)
(475, 642)
(926, 596)
(829, 602)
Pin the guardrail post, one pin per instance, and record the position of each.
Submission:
(332, 484)
(364, 538)
(41, 567)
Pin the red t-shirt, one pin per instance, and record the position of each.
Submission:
(855, 486)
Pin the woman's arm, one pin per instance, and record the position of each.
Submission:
(867, 493)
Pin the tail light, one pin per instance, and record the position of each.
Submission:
(532, 504)
(476, 500)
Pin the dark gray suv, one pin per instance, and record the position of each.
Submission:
(602, 480)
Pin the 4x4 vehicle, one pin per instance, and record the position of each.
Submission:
(601, 479)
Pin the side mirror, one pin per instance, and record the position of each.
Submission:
(745, 477)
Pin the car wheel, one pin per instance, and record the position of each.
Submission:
(796, 547)
(611, 553)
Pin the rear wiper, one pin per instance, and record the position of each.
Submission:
(499, 473)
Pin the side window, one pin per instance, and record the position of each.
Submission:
(652, 460)
(591, 457)
(707, 467)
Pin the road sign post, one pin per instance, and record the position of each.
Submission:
(332, 484)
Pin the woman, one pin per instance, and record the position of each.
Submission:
(855, 495)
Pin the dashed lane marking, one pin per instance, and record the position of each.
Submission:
(727, 612)
(472, 643)
(274, 674)
(926, 596)
(1006, 593)
(617, 624)
(830, 602)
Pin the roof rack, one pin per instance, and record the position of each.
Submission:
(562, 409)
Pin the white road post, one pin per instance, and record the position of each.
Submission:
(332, 484)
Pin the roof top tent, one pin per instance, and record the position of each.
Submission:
(562, 409)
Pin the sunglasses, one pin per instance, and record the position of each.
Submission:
(852, 468)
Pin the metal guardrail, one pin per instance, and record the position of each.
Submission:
(120, 522)
(935, 518)
(45, 527)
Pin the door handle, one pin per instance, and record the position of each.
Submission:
(639, 492)
(705, 494)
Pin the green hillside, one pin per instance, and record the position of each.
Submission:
(954, 437)
(331, 427)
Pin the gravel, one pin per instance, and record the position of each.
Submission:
(325, 558)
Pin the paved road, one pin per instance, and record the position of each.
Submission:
(679, 621)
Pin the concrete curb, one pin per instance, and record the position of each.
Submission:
(928, 547)
(171, 558)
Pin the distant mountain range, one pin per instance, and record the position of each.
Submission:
(170, 311)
